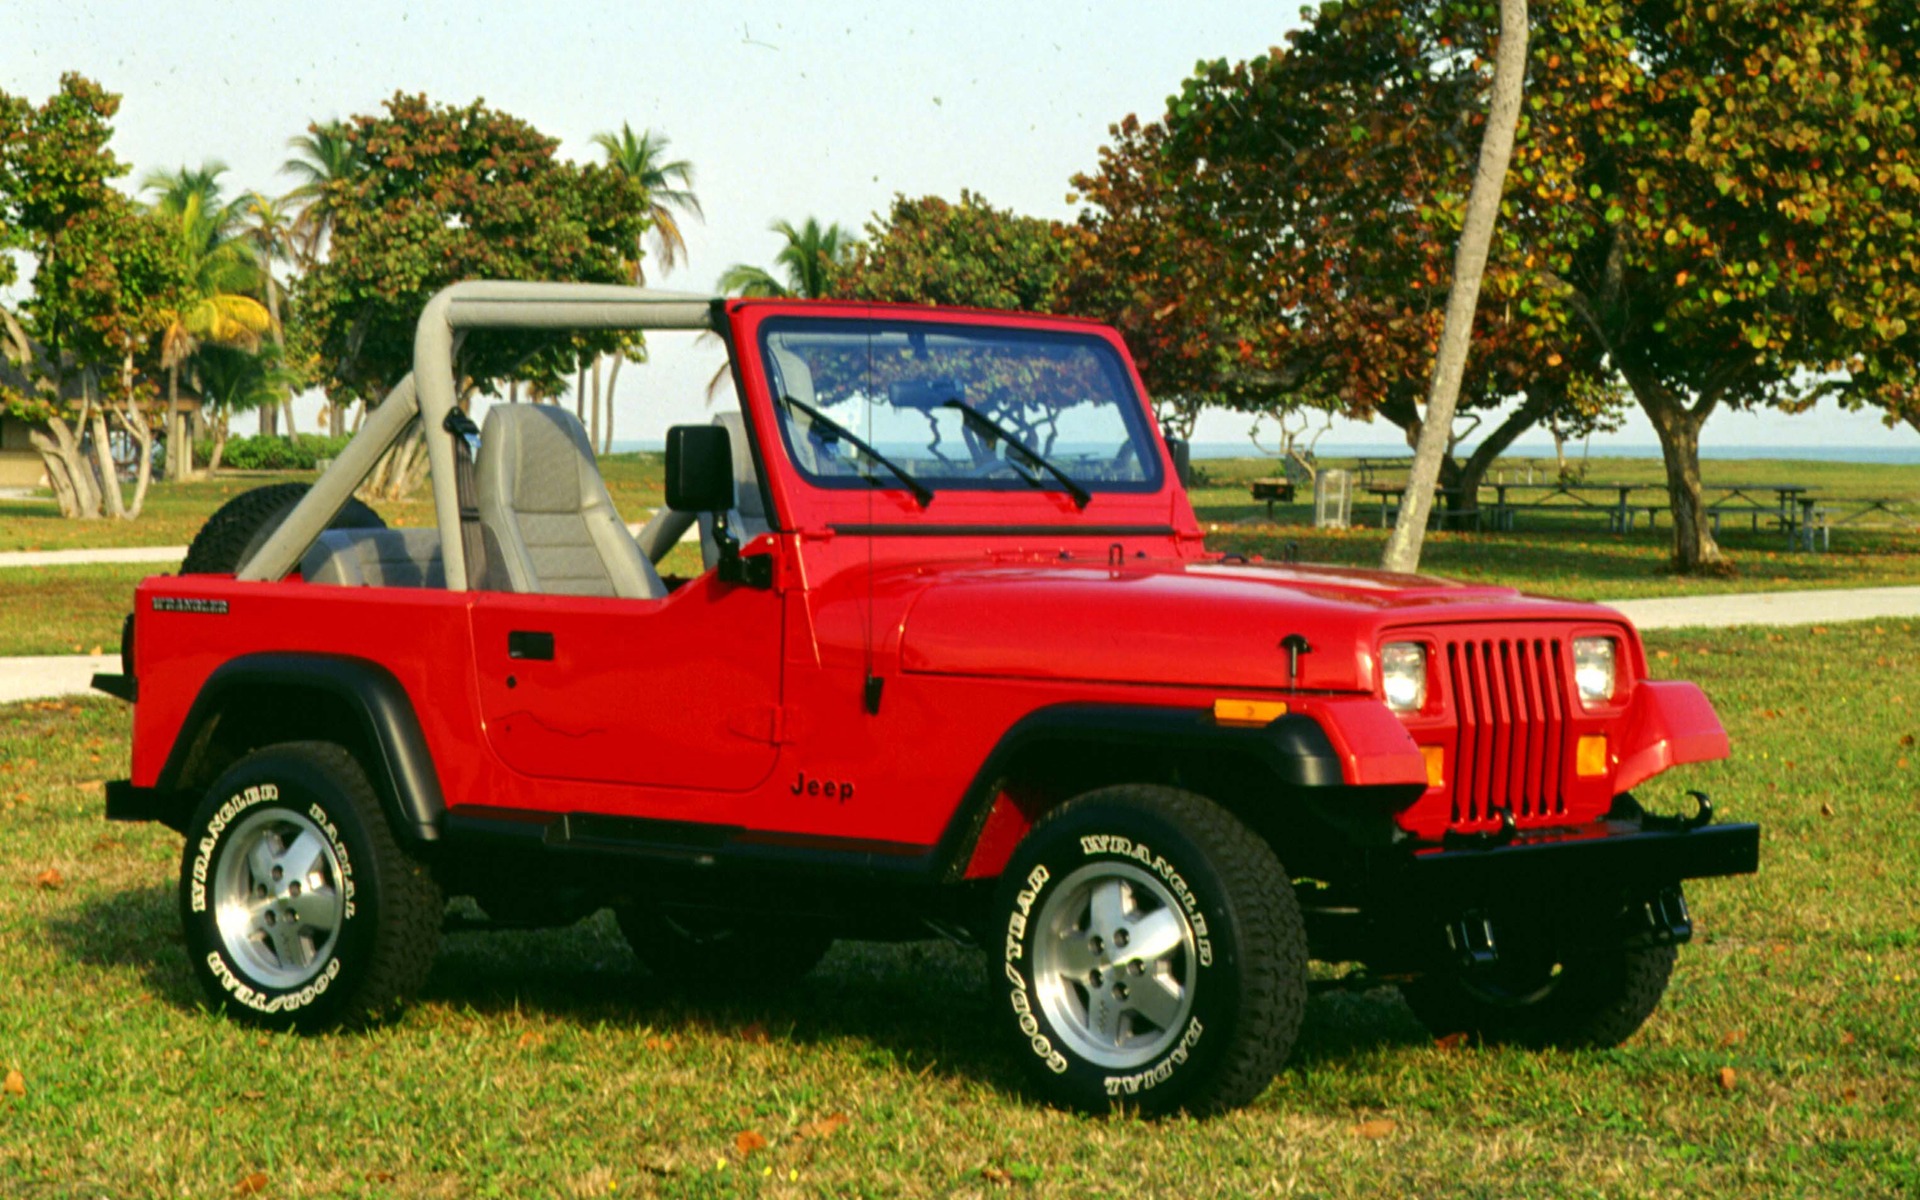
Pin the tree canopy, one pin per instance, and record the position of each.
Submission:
(1711, 201)
(442, 193)
(935, 251)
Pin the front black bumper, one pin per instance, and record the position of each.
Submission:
(1610, 856)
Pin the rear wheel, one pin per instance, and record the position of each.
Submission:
(1153, 954)
(1590, 998)
(243, 524)
(300, 909)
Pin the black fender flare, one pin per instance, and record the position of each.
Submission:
(1293, 748)
(393, 748)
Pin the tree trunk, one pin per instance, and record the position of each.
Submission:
(593, 433)
(287, 412)
(219, 444)
(109, 476)
(1678, 427)
(1469, 263)
(66, 474)
(336, 419)
(613, 377)
(1473, 472)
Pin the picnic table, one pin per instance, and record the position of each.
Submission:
(1392, 494)
(1620, 513)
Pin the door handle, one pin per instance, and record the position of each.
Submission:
(530, 644)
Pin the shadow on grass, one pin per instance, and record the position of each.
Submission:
(923, 1006)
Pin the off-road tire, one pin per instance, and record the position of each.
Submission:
(1100, 1020)
(1594, 999)
(244, 847)
(691, 952)
(243, 524)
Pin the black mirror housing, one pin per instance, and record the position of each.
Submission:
(699, 469)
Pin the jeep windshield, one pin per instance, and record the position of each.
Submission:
(958, 407)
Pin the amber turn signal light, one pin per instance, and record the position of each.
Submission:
(1436, 757)
(1248, 712)
(1590, 756)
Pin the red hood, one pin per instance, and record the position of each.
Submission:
(1202, 623)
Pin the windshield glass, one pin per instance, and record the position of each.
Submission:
(900, 387)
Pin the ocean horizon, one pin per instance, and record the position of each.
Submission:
(1884, 455)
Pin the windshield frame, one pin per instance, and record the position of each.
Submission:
(1113, 368)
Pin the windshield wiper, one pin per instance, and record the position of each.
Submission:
(921, 492)
(1001, 433)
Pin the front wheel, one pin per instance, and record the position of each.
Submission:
(300, 909)
(1153, 954)
(1591, 998)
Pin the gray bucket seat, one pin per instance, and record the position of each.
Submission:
(553, 527)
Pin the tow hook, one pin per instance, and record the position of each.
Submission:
(1471, 939)
(1628, 808)
(1660, 920)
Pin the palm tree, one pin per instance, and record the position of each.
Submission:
(323, 155)
(269, 231)
(643, 158)
(807, 261)
(219, 309)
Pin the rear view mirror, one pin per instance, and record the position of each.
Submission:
(699, 469)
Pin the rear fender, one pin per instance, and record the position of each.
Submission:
(258, 699)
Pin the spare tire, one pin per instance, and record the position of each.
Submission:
(243, 524)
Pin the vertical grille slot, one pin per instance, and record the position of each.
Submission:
(1509, 700)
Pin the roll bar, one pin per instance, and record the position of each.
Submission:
(429, 393)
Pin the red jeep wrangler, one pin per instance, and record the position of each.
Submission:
(959, 664)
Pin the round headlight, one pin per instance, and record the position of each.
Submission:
(1593, 673)
(1403, 676)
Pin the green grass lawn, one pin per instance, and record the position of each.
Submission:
(1784, 1061)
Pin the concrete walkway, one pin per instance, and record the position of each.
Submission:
(71, 674)
(76, 558)
(1772, 608)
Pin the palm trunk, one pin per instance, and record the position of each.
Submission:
(613, 378)
(1469, 263)
(135, 423)
(219, 445)
(580, 393)
(593, 433)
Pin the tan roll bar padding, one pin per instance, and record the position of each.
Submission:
(429, 393)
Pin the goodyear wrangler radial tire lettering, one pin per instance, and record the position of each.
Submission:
(242, 525)
(299, 907)
(1147, 952)
(1595, 999)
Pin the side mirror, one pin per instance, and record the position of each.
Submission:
(699, 469)
(1182, 453)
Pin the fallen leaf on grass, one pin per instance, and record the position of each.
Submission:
(50, 880)
(1846, 1038)
(747, 1141)
(825, 1127)
(1450, 1041)
(380, 1176)
(1732, 1037)
(1375, 1129)
(1907, 740)
(996, 1175)
(755, 1034)
(660, 1044)
(256, 1182)
(16, 1084)
(1826, 810)
(1728, 1079)
(531, 1040)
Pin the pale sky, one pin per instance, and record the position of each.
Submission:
(786, 111)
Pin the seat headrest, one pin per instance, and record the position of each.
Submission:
(539, 453)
